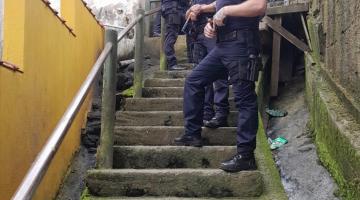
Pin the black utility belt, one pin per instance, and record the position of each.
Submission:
(236, 35)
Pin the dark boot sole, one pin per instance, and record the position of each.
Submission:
(188, 144)
(238, 169)
(215, 127)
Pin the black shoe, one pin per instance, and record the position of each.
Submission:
(156, 34)
(188, 140)
(205, 121)
(216, 123)
(176, 67)
(239, 163)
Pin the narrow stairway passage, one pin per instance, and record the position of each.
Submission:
(303, 176)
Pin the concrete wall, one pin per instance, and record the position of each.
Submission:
(338, 28)
(55, 63)
(333, 90)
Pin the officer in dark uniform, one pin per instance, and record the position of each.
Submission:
(218, 92)
(157, 25)
(236, 25)
(174, 13)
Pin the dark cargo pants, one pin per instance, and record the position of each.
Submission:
(226, 59)
(216, 93)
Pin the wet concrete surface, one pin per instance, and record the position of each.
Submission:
(303, 176)
(74, 183)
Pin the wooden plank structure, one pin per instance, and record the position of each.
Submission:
(280, 32)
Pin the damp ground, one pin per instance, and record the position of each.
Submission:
(303, 176)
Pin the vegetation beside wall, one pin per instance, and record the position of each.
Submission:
(336, 130)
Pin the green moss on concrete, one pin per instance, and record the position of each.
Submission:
(273, 186)
(85, 195)
(335, 131)
(129, 92)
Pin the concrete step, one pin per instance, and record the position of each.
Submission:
(165, 135)
(174, 182)
(172, 74)
(159, 118)
(140, 157)
(160, 104)
(163, 92)
(174, 92)
(164, 82)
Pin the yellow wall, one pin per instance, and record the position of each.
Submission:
(55, 63)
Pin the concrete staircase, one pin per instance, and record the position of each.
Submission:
(148, 165)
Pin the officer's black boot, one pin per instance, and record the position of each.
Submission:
(156, 34)
(176, 67)
(189, 140)
(216, 122)
(239, 163)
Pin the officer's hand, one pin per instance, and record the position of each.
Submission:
(192, 15)
(209, 30)
(196, 9)
(219, 17)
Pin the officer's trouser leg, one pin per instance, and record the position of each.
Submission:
(208, 70)
(220, 88)
(199, 53)
(190, 48)
(221, 98)
(172, 31)
(157, 23)
(246, 103)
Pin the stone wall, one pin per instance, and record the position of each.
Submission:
(338, 28)
(333, 89)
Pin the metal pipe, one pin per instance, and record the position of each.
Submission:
(113, 26)
(139, 55)
(163, 62)
(105, 150)
(38, 168)
(151, 12)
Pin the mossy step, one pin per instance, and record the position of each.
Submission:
(141, 157)
(165, 135)
(160, 104)
(168, 92)
(160, 118)
(172, 74)
(162, 82)
(174, 182)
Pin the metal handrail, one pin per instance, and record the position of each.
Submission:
(133, 23)
(42, 162)
(40, 165)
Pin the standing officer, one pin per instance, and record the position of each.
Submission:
(218, 92)
(236, 25)
(157, 25)
(174, 13)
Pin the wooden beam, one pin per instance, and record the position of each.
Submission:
(275, 65)
(292, 8)
(286, 34)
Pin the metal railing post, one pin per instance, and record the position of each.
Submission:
(147, 19)
(105, 151)
(163, 63)
(139, 54)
